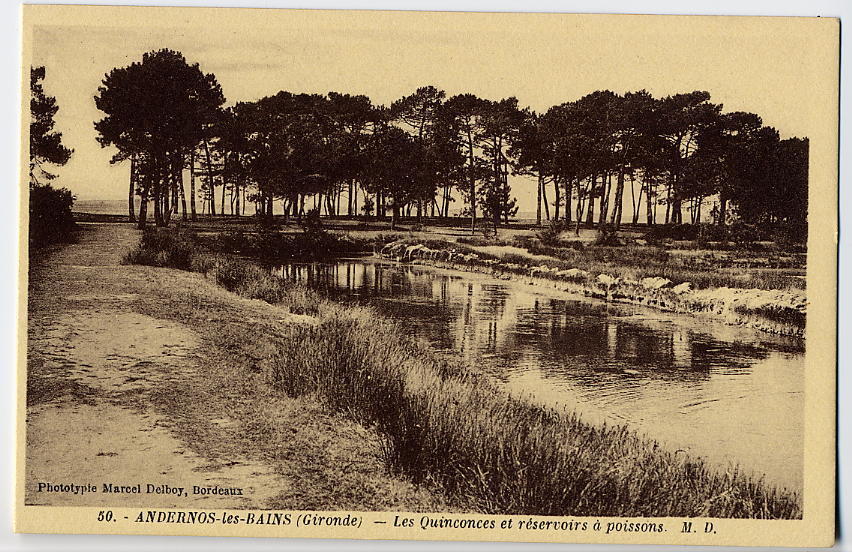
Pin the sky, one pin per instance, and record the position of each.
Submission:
(762, 65)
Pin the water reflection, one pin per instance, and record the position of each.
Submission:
(726, 393)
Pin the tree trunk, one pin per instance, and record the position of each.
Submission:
(174, 177)
(131, 207)
(606, 184)
(503, 211)
(636, 202)
(224, 185)
(580, 204)
(472, 189)
(544, 200)
(677, 217)
(167, 205)
(193, 214)
(538, 205)
(211, 187)
(590, 213)
(723, 207)
(181, 188)
(569, 184)
(615, 219)
(143, 209)
(158, 219)
(669, 203)
(237, 205)
(649, 206)
(165, 189)
(557, 200)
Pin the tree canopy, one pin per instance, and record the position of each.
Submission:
(155, 110)
(45, 144)
(426, 150)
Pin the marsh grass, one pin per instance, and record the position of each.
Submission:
(447, 426)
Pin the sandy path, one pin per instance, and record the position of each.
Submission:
(94, 365)
(153, 376)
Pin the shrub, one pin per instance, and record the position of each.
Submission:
(607, 236)
(163, 247)
(745, 234)
(793, 236)
(549, 235)
(740, 234)
(475, 241)
(312, 222)
(676, 232)
(50, 215)
(313, 243)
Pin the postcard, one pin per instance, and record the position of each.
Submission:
(347, 274)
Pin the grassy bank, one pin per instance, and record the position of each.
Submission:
(449, 427)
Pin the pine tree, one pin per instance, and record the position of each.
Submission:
(45, 144)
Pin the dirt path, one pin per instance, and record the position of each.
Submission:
(150, 380)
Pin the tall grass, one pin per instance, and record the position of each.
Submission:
(500, 453)
(181, 250)
(450, 427)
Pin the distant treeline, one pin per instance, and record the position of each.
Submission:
(352, 157)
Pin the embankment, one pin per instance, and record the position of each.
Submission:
(775, 311)
(448, 427)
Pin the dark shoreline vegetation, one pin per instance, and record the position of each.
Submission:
(449, 427)
(270, 245)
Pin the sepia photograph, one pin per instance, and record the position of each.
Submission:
(428, 275)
